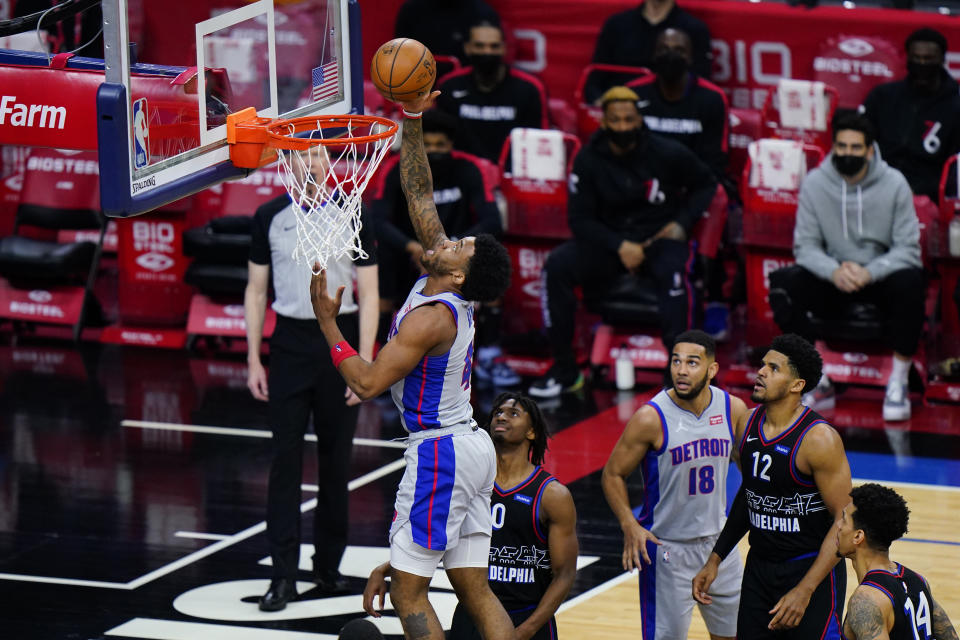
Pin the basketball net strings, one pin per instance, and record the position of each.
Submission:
(326, 185)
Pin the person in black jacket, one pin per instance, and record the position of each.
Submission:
(634, 199)
(917, 119)
(629, 37)
(490, 98)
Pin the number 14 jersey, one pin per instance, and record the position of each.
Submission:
(685, 481)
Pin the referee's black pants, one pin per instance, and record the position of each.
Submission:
(574, 264)
(303, 381)
(794, 292)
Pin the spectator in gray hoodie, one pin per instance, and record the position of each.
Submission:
(856, 240)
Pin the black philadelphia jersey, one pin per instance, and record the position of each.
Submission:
(788, 518)
(698, 120)
(485, 119)
(910, 596)
(519, 557)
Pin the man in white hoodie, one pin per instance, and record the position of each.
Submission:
(856, 240)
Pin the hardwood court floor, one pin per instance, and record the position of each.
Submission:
(931, 547)
(133, 490)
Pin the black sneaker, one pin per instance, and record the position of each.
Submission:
(330, 582)
(556, 381)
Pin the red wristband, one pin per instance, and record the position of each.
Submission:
(340, 352)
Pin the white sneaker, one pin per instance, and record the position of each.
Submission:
(822, 396)
(896, 403)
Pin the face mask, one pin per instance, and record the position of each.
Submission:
(436, 158)
(486, 64)
(623, 139)
(670, 66)
(849, 165)
(923, 72)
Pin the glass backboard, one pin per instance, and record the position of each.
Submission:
(167, 93)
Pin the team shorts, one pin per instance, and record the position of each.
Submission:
(765, 582)
(443, 498)
(666, 589)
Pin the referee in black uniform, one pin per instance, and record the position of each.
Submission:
(303, 381)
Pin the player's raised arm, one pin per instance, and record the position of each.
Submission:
(823, 454)
(424, 330)
(642, 432)
(415, 177)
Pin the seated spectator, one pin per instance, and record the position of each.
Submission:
(678, 104)
(634, 199)
(442, 25)
(490, 98)
(629, 38)
(857, 239)
(466, 208)
(917, 119)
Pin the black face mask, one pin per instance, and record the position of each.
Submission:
(437, 158)
(486, 64)
(849, 165)
(670, 66)
(923, 72)
(624, 139)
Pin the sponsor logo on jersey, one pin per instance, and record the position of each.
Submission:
(782, 449)
(522, 498)
(715, 420)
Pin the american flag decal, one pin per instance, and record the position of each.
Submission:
(325, 81)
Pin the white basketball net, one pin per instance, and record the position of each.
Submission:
(326, 183)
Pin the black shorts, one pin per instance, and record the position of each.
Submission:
(464, 629)
(765, 582)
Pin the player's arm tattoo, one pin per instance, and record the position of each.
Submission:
(942, 627)
(864, 618)
(417, 184)
(415, 626)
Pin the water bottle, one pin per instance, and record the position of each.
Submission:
(624, 369)
(954, 234)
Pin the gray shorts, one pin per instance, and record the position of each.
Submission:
(666, 591)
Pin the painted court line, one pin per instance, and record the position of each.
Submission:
(221, 543)
(197, 535)
(67, 581)
(247, 433)
(152, 629)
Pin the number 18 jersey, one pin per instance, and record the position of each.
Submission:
(685, 481)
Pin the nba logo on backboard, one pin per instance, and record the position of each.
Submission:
(141, 134)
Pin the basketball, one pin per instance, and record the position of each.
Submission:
(403, 69)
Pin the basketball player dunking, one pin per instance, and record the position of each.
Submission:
(796, 482)
(442, 510)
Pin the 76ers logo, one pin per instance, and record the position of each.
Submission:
(653, 192)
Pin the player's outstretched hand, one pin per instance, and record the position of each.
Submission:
(376, 586)
(324, 307)
(789, 609)
(705, 578)
(635, 540)
(420, 104)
